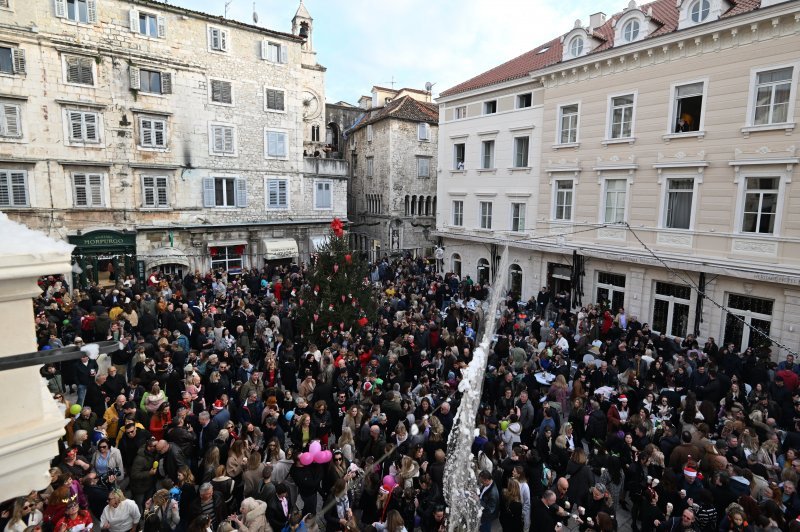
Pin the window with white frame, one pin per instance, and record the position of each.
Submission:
(688, 107)
(487, 154)
(226, 257)
(155, 191)
(423, 166)
(458, 213)
(278, 194)
(611, 290)
(150, 81)
(760, 205)
(274, 52)
(521, 148)
(518, 217)
(87, 190)
(423, 131)
(630, 32)
(772, 96)
(679, 203)
(218, 39)
(745, 321)
(224, 192)
(564, 189)
(485, 214)
(12, 60)
(221, 91)
(13, 188)
(459, 155)
(484, 271)
(615, 193)
(524, 100)
(79, 70)
(10, 120)
(222, 139)
(455, 264)
(152, 132)
(370, 166)
(671, 304)
(275, 144)
(699, 11)
(369, 133)
(151, 25)
(84, 126)
(568, 124)
(576, 46)
(490, 107)
(83, 11)
(621, 115)
(460, 112)
(323, 194)
(5, 4)
(275, 100)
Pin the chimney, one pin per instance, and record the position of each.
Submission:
(597, 20)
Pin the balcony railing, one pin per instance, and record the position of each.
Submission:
(327, 167)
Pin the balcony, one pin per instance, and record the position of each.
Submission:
(326, 167)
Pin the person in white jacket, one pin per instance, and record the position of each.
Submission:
(24, 515)
(513, 432)
(121, 514)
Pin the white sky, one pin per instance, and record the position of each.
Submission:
(370, 42)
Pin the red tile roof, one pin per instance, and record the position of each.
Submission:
(665, 14)
(404, 108)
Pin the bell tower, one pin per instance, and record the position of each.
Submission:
(302, 26)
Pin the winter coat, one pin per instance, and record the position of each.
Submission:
(141, 479)
(114, 461)
(255, 520)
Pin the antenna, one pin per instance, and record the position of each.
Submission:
(391, 82)
(428, 87)
(227, 5)
(255, 15)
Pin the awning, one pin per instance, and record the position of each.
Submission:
(283, 248)
(165, 255)
(316, 242)
(226, 243)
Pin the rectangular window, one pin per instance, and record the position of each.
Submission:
(223, 140)
(772, 96)
(10, 120)
(13, 188)
(83, 11)
(688, 107)
(487, 154)
(277, 194)
(678, 209)
(369, 133)
(518, 217)
(568, 124)
(12, 60)
(224, 192)
(154, 191)
(611, 290)
(274, 52)
(370, 166)
(746, 319)
(486, 214)
(460, 112)
(521, 148)
(80, 70)
(563, 200)
(275, 100)
(88, 190)
(227, 258)
(221, 91)
(275, 144)
(423, 132)
(323, 197)
(458, 213)
(217, 39)
(760, 205)
(671, 309)
(423, 167)
(84, 126)
(616, 190)
(524, 100)
(152, 132)
(150, 81)
(490, 107)
(148, 24)
(622, 117)
(459, 153)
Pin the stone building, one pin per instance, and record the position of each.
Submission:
(149, 135)
(392, 204)
(662, 155)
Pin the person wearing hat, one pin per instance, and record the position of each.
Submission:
(74, 518)
(683, 452)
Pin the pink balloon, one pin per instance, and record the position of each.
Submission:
(306, 459)
(314, 448)
(323, 457)
(389, 480)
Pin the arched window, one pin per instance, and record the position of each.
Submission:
(455, 264)
(483, 271)
(413, 205)
(631, 30)
(408, 205)
(433, 212)
(315, 133)
(515, 280)
(576, 46)
(699, 10)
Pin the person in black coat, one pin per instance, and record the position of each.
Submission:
(544, 514)
(279, 507)
(307, 478)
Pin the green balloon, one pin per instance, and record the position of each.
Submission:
(75, 409)
(503, 425)
(378, 381)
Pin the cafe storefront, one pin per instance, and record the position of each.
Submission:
(103, 256)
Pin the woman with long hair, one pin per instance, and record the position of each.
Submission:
(161, 513)
(210, 464)
(562, 394)
(24, 515)
(251, 478)
(187, 493)
(303, 432)
(224, 485)
(394, 523)
(273, 452)
(511, 507)
(107, 463)
(346, 443)
(160, 420)
(152, 400)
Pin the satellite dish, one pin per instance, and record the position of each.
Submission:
(428, 86)
(439, 253)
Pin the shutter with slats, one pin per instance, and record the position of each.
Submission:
(136, 78)
(91, 11)
(161, 24)
(241, 192)
(86, 75)
(11, 124)
(148, 191)
(161, 191)
(133, 19)
(218, 139)
(221, 91)
(96, 188)
(73, 69)
(265, 49)
(229, 141)
(76, 125)
(146, 126)
(5, 189)
(272, 200)
(159, 130)
(166, 83)
(223, 40)
(209, 197)
(213, 38)
(19, 188)
(284, 53)
(81, 196)
(61, 8)
(90, 121)
(275, 100)
(18, 56)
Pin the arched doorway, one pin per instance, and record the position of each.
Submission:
(483, 271)
(515, 280)
(455, 264)
(332, 138)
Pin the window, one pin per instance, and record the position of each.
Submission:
(228, 258)
(224, 192)
(615, 200)
(518, 217)
(772, 96)
(315, 133)
(80, 70)
(563, 200)
(745, 317)
(13, 188)
(630, 31)
(490, 107)
(568, 124)
(423, 167)
(423, 131)
(152, 25)
(515, 280)
(370, 166)
(222, 140)
(487, 154)
(576, 46)
(622, 117)
(688, 107)
(88, 190)
(458, 213)
(154, 191)
(323, 197)
(10, 120)
(274, 52)
(486, 214)
(484, 271)
(369, 133)
(84, 126)
(671, 309)
(277, 194)
(150, 81)
(678, 210)
(218, 39)
(521, 145)
(460, 112)
(455, 264)
(459, 153)
(152, 132)
(611, 290)
(84, 11)
(275, 144)
(524, 100)
(699, 10)
(275, 102)
(760, 205)
(221, 91)
(12, 60)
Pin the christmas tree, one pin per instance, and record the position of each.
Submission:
(338, 293)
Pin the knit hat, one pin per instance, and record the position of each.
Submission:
(690, 472)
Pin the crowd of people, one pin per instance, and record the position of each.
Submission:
(216, 413)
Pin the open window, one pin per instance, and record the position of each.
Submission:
(688, 107)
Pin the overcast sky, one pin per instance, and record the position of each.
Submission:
(370, 42)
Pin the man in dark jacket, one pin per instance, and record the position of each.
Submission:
(209, 503)
(170, 460)
(143, 474)
(279, 507)
(307, 478)
(490, 500)
(678, 524)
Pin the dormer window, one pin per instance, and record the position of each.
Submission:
(694, 12)
(631, 30)
(576, 46)
(699, 11)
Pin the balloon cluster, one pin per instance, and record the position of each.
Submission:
(315, 454)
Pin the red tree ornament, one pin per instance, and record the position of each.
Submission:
(338, 227)
(363, 321)
(348, 259)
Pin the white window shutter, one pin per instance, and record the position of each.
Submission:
(148, 191)
(161, 191)
(159, 133)
(279, 103)
(80, 185)
(161, 24)
(18, 56)
(61, 8)
(76, 126)
(91, 9)
(136, 79)
(11, 119)
(229, 145)
(264, 49)
(223, 40)
(133, 17)
(217, 139)
(96, 188)
(241, 192)
(146, 129)
(166, 83)
(284, 53)
(209, 195)
(90, 120)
